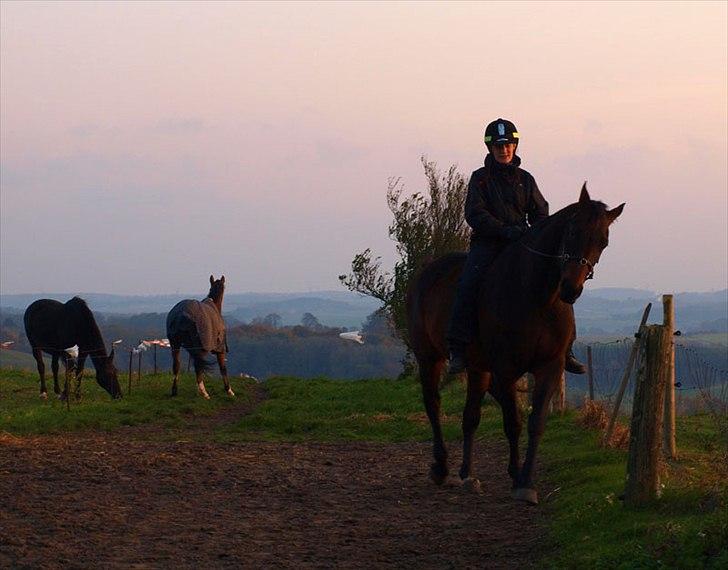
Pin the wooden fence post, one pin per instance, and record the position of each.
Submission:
(668, 433)
(590, 371)
(139, 367)
(645, 438)
(558, 401)
(625, 377)
(131, 365)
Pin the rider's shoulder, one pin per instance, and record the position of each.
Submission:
(478, 174)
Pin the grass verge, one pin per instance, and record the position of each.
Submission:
(22, 412)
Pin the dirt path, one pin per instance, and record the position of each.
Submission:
(115, 501)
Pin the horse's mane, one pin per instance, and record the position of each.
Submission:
(596, 210)
(85, 322)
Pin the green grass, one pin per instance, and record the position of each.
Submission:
(22, 412)
(328, 410)
(590, 527)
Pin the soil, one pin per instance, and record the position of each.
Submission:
(126, 499)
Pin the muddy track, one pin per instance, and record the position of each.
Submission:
(111, 500)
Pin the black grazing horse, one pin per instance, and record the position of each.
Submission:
(198, 326)
(526, 322)
(52, 327)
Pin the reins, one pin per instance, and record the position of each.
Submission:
(564, 258)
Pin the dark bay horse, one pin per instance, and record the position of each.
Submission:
(526, 323)
(198, 326)
(52, 327)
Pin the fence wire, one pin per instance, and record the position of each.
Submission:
(701, 377)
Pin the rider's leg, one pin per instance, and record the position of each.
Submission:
(463, 320)
(572, 364)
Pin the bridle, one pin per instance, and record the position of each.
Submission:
(564, 257)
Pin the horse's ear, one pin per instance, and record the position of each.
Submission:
(614, 213)
(212, 279)
(584, 196)
(222, 280)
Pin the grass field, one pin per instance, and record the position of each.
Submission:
(589, 527)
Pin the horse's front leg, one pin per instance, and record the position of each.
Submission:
(505, 395)
(222, 364)
(546, 381)
(430, 373)
(478, 383)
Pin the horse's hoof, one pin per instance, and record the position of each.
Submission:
(437, 477)
(230, 393)
(472, 485)
(44, 395)
(453, 482)
(526, 495)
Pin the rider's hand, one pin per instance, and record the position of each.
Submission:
(512, 233)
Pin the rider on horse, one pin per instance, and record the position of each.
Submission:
(503, 202)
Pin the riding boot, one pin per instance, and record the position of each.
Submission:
(457, 362)
(572, 364)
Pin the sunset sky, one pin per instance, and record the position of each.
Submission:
(145, 145)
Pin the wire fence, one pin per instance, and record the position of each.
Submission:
(701, 375)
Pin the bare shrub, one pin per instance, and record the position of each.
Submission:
(593, 415)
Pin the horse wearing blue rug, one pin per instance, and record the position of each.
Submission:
(198, 326)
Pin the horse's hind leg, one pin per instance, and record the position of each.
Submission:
(38, 355)
(430, 378)
(478, 383)
(175, 369)
(512, 424)
(200, 375)
(222, 363)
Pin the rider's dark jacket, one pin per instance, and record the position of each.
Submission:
(502, 195)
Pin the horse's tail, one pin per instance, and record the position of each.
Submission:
(202, 364)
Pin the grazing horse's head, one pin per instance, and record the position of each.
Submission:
(585, 237)
(107, 376)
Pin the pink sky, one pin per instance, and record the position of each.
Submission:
(147, 145)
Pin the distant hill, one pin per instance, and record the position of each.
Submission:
(603, 311)
(332, 308)
(22, 361)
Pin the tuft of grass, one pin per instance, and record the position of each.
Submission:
(22, 412)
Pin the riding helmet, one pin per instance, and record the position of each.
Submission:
(501, 131)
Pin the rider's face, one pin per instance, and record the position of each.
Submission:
(503, 153)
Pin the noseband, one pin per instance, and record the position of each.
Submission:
(564, 257)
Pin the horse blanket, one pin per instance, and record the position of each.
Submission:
(199, 323)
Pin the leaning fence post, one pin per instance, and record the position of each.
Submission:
(558, 400)
(668, 442)
(645, 438)
(590, 371)
(625, 377)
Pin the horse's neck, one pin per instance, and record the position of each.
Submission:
(527, 281)
(92, 343)
(217, 302)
